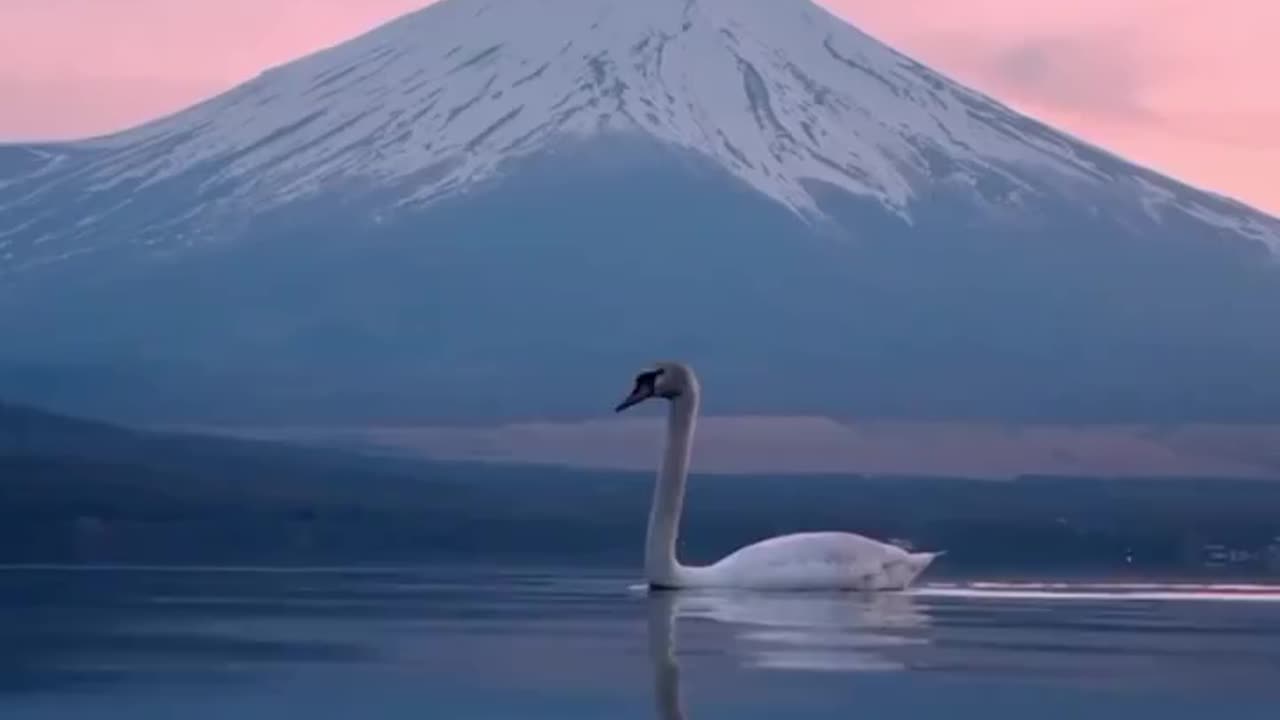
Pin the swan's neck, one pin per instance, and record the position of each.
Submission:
(660, 563)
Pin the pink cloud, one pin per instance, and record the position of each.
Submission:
(70, 68)
(1182, 85)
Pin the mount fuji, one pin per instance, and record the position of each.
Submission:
(496, 210)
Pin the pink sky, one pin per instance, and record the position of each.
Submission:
(1186, 86)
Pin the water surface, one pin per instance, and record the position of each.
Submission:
(144, 643)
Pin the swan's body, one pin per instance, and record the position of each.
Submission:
(808, 561)
(803, 561)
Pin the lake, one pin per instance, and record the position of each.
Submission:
(467, 642)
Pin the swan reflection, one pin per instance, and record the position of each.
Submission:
(792, 631)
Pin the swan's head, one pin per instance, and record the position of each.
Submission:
(668, 380)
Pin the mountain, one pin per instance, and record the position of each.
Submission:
(492, 210)
(88, 463)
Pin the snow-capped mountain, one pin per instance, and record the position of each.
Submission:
(778, 93)
(787, 166)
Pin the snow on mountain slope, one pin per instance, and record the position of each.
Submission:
(781, 94)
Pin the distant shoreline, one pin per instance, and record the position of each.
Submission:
(816, 445)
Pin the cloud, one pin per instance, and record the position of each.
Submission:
(1245, 130)
(1179, 85)
(1110, 76)
(1100, 73)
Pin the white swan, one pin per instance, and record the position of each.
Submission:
(803, 561)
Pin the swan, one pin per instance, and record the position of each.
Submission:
(802, 561)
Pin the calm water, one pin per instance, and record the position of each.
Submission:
(148, 643)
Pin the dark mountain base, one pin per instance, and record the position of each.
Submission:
(75, 492)
(1039, 528)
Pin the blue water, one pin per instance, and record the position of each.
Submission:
(144, 643)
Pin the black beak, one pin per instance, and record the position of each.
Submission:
(637, 396)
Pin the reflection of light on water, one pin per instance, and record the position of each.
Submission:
(882, 632)
(1173, 592)
(823, 632)
(860, 640)
(824, 661)
(820, 650)
(805, 631)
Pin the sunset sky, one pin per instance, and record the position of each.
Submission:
(1186, 86)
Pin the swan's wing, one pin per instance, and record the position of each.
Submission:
(821, 548)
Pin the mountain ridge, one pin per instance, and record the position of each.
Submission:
(393, 106)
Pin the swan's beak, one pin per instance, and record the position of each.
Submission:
(639, 395)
